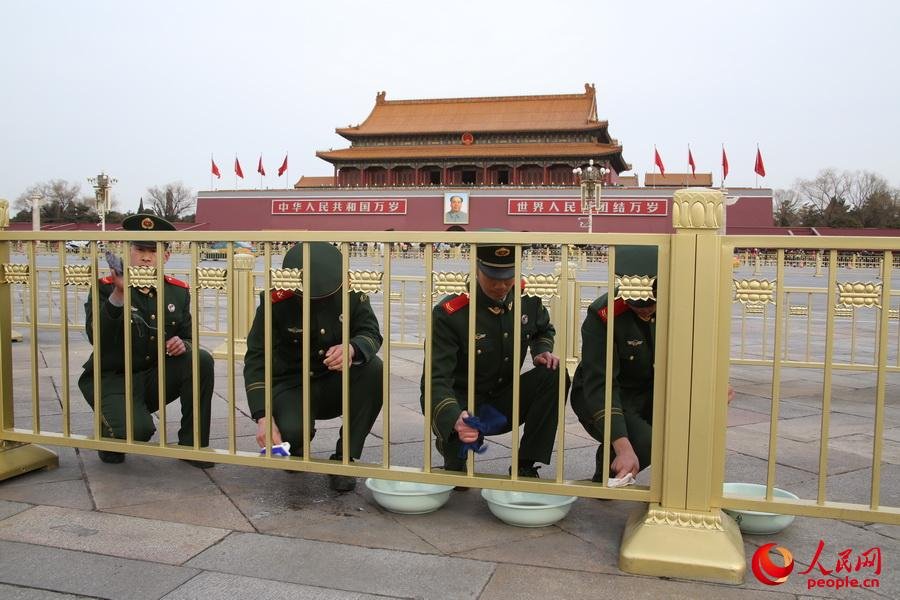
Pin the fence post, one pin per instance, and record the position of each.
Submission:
(572, 307)
(244, 306)
(686, 534)
(15, 457)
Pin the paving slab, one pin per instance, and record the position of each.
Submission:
(353, 519)
(466, 523)
(113, 535)
(861, 444)
(346, 568)
(8, 592)
(808, 429)
(514, 582)
(10, 508)
(70, 494)
(209, 510)
(750, 469)
(142, 480)
(791, 453)
(87, 574)
(855, 486)
(235, 587)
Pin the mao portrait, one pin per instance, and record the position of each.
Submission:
(456, 208)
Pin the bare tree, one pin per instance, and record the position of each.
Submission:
(60, 201)
(787, 205)
(822, 191)
(845, 199)
(172, 201)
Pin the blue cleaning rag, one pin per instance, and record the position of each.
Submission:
(488, 422)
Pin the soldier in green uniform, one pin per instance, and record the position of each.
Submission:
(325, 361)
(494, 368)
(176, 321)
(634, 343)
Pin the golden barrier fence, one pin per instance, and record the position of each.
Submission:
(696, 270)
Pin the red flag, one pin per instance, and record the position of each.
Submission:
(658, 161)
(215, 169)
(759, 167)
(237, 168)
(724, 164)
(259, 168)
(691, 162)
(283, 167)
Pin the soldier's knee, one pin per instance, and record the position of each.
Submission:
(143, 431)
(371, 372)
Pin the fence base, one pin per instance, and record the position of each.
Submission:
(686, 544)
(17, 458)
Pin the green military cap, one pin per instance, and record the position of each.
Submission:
(497, 261)
(641, 261)
(324, 263)
(142, 222)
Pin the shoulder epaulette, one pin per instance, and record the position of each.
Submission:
(178, 282)
(107, 279)
(451, 306)
(619, 306)
(279, 295)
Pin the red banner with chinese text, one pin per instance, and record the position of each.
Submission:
(393, 206)
(644, 207)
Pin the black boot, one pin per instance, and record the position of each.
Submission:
(111, 457)
(341, 483)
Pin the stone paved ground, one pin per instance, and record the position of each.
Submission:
(157, 528)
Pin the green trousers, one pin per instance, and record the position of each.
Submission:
(325, 403)
(637, 409)
(538, 412)
(145, 398)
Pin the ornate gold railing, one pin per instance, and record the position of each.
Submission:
(712, 317)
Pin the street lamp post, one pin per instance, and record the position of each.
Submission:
(591, 188)
(102, 183)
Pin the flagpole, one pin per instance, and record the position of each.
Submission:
(211, 161)
(723, 166)
(287, 172)
(260, 175)
(754, 166)
(687, 177)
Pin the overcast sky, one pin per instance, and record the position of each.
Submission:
(147, 91)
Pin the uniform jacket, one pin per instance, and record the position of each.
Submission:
(494, 369)
(144, 325)
(287, 339)
(633, 348)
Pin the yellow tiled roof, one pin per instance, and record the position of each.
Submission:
(493, 114)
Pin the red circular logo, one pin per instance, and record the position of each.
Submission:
(467, 138)
(767, 571)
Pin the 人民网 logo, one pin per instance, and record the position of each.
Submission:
(767, 571)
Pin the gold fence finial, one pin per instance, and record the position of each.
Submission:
(698, 208)
(4, 213)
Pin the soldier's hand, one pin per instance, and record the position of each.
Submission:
(117, 296)
(334, 358)
(261, 433)
(730, 393)
(548, 359)
(467, 434)
(626, 460)
(175, 346)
